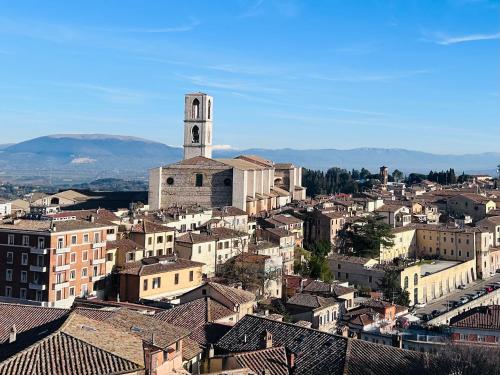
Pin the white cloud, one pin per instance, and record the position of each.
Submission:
(222, 147)
(83, 161)
(445, 40)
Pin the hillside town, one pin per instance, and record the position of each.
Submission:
(230, 266)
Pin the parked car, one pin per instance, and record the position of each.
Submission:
(461, 286)
(464, 300)
(488, 289)
(420, 305)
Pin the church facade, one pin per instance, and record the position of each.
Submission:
(247, 182)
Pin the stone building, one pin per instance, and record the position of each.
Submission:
(247, 182)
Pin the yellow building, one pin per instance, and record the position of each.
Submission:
(156, 239)
(405, 244)
(159, 278)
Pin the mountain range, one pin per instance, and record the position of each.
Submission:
(64, 158)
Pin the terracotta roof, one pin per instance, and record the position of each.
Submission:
(50, 226)
(320, 353)
(228, 211)
(361, 320)
(193, 314)
(287, 219)
(190, 349)
(147, 328)
(123, 245)
(95, 314)
(64, 354)
(482, 317)
(242, 164)
(256, 160)
(155, 265)
(26, 317)
(227, 233)
(279, 232)
(273, 360)
(199, 161)
(311, 301)
(477, 198)
(194, 238)
(236, 296)
(146, 226)
(389, 208)
(322, 287)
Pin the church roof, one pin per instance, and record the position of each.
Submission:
(256, 160)
(242, 164)
(199, 161)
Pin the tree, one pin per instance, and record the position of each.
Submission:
(365, 236)
(392, 290)
(397, 175)
(316, 265)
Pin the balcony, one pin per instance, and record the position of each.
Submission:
(63, 250)
(98, 261)
(37, 286)
(97, 245)
(60, 286)
(64, 267)
(36, 250)
(38, 268)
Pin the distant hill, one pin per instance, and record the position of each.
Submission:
(71, 159)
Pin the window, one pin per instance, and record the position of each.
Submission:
(26, 240)
(72, 274)
(415, 279)
(8, 291)
(170, 181)
(60, 242)
(24, 259)
(199, 249)
(84, 272)
(85, 256)
(191, 275)
(209, 109)
(195, 132)
(71, 291)
(73, 240)
(145, 284)
(338, 266)
(10, 257)
(176, 279)
(39, 296)
(183, 227)
(86, 238)
(85, 290)
(209, 247)
(24, 276)
(159, 239)
(10, 239)
(109, 257)
(23, 293)
(130, 256)
(156, 282)
(195, 108)
(467, 254)
(150, 240)
(8, 274)
(149, 253)
(72, 258)
(199, 180)
(170, 238)
(41, 242)
(97, 237)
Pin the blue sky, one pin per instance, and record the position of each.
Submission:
(421, 75)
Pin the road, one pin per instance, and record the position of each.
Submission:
(441, 304)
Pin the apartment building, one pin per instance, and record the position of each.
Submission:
(156, 239)
(51, 262)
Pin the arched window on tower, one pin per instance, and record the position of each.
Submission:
(195, 113)
(209, 109)
(195, 132)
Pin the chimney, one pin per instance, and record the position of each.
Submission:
(208, 312)
(291, 360)
(12, 334)
(92, 218)
(211, 351)
(266, 340)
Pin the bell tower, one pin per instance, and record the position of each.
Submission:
(198, 112)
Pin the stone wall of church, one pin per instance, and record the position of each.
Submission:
(178, 186)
